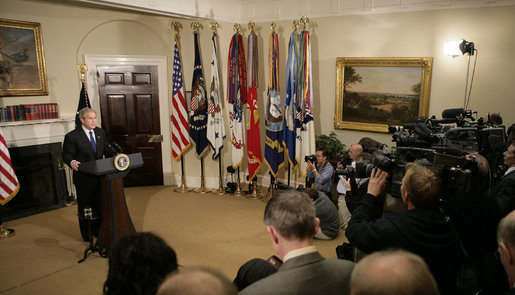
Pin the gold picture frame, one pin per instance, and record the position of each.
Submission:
(372, 93)
(22, 61)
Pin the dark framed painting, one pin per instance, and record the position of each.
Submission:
(22, 62)
(372, 93)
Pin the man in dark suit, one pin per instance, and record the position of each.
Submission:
(504, 192)
(506, 241)
(86, 143)
(291, 224)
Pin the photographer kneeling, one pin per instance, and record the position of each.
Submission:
(322, 171)
(422, 229)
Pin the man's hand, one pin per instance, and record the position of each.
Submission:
(311, 166)
(376, 182)
(75, 165)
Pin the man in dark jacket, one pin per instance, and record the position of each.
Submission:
(422, 229)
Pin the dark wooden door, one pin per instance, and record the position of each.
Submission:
(129, 103)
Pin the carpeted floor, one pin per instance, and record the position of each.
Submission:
(204, 229)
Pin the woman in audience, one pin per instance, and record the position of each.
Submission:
(138, 264)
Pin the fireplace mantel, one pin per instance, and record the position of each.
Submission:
(34, 132)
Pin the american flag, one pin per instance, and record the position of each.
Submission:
(180, 136)
(9, 185)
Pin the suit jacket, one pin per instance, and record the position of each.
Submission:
(306, 274)
(77, 146)
(504, 193)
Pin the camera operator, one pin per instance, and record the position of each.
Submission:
(504, 192)
(322, 171)
(422, 229)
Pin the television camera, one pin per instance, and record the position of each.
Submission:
(439, 144)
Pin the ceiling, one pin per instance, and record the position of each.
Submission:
(276, 10)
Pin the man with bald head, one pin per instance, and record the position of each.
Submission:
(197, 281)
(506, 241)
(392, 272)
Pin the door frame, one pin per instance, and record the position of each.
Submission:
(94, 60)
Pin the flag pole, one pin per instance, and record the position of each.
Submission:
(220, 190)
(202, 188)
(5, 232)
(238, 183)
(182, 188)
(270, 191)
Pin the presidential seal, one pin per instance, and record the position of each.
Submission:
(121, 162)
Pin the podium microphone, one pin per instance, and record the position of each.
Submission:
(119, 150)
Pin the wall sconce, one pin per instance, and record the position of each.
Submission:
(458, 48)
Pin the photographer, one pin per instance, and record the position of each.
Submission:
(322, 172)
(422, 229)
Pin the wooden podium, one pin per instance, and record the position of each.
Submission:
(116, 220)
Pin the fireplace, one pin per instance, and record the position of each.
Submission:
(42, 180)
(35, 148)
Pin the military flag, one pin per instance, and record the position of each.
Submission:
(253, 135)
(290, 97)
(274, 151)
(83, 103)
(305, 144)
(198, 112)
(180, 136)
(215, 120)
(9, 185)
(237, 97)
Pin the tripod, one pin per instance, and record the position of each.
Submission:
(88, 215)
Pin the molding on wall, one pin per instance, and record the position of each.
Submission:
(277, 10)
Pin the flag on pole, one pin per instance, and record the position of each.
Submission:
(83, 103)
(215, 120)
(198, 117)
(253, 135)
(274, 152)
(290, 98)
(236, 96)
(180, 136)
(305, 144)
(9, 185)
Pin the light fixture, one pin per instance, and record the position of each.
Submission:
(458, 48)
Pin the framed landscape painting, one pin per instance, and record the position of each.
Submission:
(22, 63)
(372, 93)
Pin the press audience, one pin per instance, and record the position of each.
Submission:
(255, 270)
(422, 229)
(138, 264)
(291, 224)
(322, 172)
(327, 213)
(197, 281)
(392, 272)
(506, 241)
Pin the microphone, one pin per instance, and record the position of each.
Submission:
(118, 148)
(454, 113)
(111, 149)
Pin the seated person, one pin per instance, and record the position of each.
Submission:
(322, 171)
(197, 281)
(422, 229)
(506, 240)
(138, 264)
(256, 269)
(392, 272)
(327, 213)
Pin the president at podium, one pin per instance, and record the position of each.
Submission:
(86, 143)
